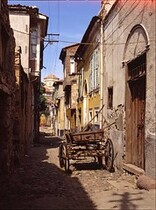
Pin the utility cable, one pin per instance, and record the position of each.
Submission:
(122, 19)
(81, 43)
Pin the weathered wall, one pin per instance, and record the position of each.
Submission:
(61, 116)
(22, 102)
(7, 92)
(20, 24)
(69, 81)
(74, 94)
(88, 99)
(69, 52)
(94, 101)
(117, 28)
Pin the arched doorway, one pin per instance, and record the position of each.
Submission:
(135, 56)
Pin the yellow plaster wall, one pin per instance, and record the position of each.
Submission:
(94, 101)
(61, 114)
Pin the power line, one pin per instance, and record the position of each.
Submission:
(50, 40)
(118, 12)
(56, 49)
(126, 29)
(122, 19)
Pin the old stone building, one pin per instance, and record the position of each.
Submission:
(30, 29)
(19, 80)
(7, 91)
(58, 109)
(88, 67)
(48, 82)
(22, 104)
(129, 37)
(70, 85)
(124, 33)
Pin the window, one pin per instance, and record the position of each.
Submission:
(137, 68)
(94, 70)
(33, 43)
(91, 75)
(72, 65)
(90, 114)
(110, 98)
(96, 112)
(79, 110)
(80, 82)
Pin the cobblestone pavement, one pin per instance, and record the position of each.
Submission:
(39, 183)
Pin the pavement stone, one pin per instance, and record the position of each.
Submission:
(39, 183)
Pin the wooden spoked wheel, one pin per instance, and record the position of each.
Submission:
(100, 161)
(63, 157)
(67, 163)
(109, 155)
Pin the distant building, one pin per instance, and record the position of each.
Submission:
(48, 85)
(58, 109)
(70, 85)
(87, 56)
(49, 91)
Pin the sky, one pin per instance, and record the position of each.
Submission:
(69, 19)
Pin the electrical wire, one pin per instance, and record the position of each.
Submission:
(92, 43)
(58, 29)
(83, 43)
(136, 42)
(118, 11)
(50, 63)
(122, 19)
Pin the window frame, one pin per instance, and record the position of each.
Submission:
(72, 64)
(33, 44)
(94, 70)
(110, 98)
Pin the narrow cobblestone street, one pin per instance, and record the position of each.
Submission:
(39, 183)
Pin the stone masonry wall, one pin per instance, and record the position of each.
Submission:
(120, 24)
(7, 92)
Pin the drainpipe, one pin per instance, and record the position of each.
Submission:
(101, 72)
(81, 95)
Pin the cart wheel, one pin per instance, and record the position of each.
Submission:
(61, 155)
(109, 155)
(67, 164)
(66, 158)
(100, 161)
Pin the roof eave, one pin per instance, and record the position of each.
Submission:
(85, 36)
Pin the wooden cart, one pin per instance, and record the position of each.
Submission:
(77, 146)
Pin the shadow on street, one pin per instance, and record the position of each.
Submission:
(38, 184)
(126, 200)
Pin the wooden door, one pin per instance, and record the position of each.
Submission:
(135, 114)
